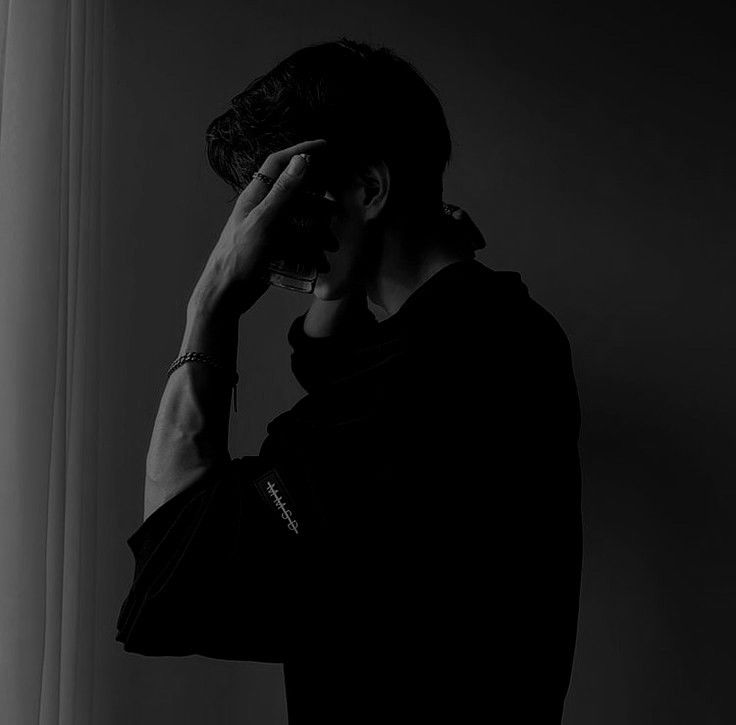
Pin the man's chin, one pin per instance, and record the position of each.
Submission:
(326, 288)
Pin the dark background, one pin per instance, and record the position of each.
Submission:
(595, 150)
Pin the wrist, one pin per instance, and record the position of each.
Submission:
(211, 329)
(210, 303)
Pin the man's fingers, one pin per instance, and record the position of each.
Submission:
(285, 186)
(257, 189)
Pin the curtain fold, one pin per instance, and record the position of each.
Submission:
(50, 183)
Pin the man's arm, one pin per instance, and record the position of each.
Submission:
(190, 433)
(191, 428)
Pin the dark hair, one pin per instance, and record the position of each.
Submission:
(367, 101)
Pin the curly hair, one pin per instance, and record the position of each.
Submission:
(367, 101)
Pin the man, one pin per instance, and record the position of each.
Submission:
(438, 446)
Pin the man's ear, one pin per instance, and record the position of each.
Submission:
(375, 179)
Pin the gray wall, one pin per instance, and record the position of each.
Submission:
(592, 152)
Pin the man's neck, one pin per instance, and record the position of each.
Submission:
(403, 268)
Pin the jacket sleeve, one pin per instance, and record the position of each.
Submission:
(318, 361)
(214, 566)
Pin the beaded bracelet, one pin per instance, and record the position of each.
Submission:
(204, 357)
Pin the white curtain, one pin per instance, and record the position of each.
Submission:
(50, 132)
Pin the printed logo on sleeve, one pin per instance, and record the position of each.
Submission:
(274, 492)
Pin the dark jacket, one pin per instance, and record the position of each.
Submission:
(432, 469)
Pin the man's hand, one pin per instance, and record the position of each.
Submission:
(231, 281)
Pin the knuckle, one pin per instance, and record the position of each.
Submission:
(284, 182)
(254, 215)
(264, 211)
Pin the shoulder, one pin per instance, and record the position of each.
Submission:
(489, 317)
(496, 351)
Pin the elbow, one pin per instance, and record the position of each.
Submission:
(162, 486)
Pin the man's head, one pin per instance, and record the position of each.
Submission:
(388, 144)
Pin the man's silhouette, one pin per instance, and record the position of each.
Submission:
(432, 464)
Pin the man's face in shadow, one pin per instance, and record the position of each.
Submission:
(356, 239)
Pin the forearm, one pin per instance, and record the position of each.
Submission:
(190, 433)
(329, 317)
